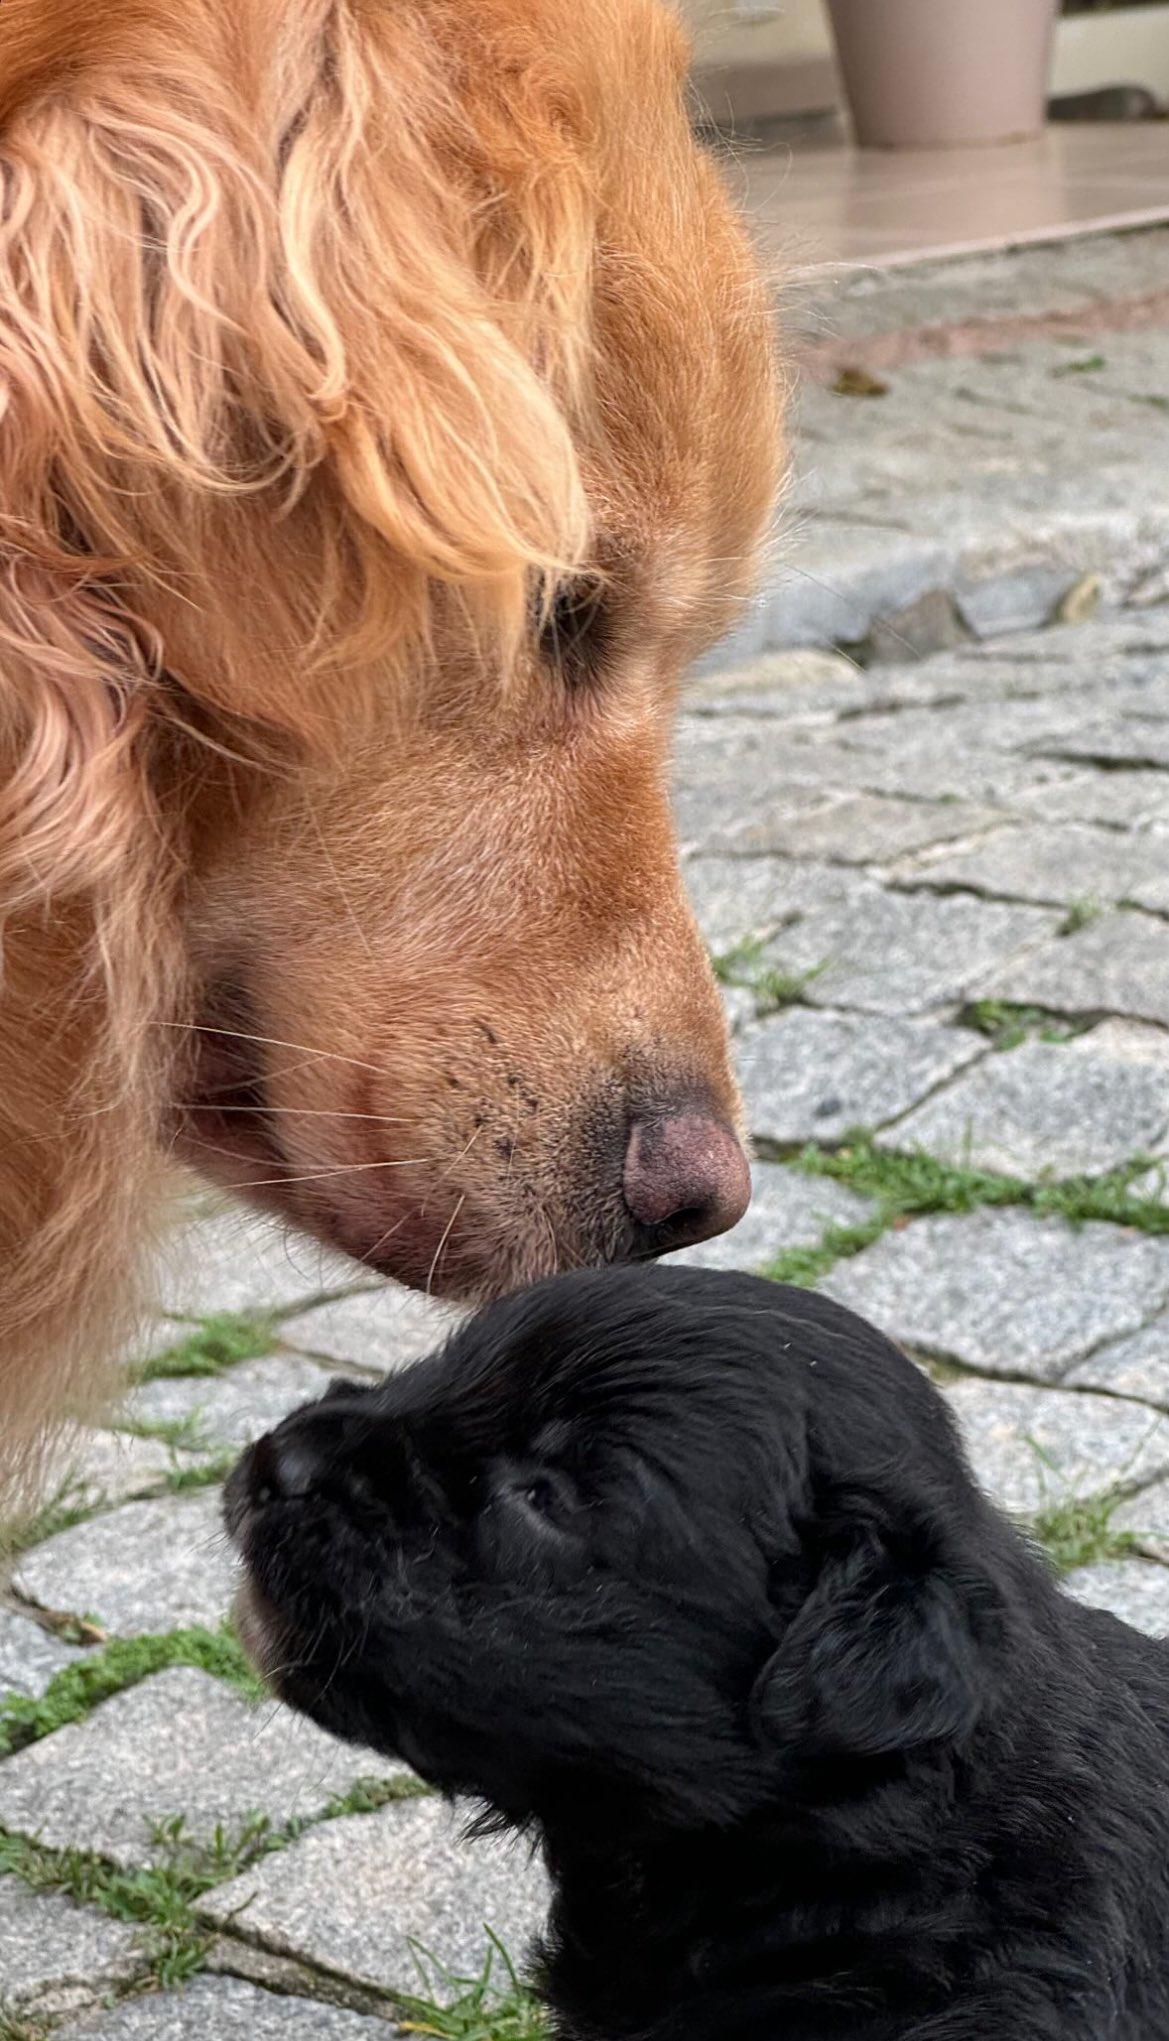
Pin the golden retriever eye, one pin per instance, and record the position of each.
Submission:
(575, 632)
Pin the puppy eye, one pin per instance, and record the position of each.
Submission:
(548, 1497)
(575, 632)
(541, 1496)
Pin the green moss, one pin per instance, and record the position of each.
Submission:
(773, 987)
(914, 1184)
(201, 1473)
(82, 1686)
(182, 1434)
(218, 1342)
(365, 1796)
(69, 1506)
(804, 1266)
(1085, 365)
(1006, 1024)
(1080, 914)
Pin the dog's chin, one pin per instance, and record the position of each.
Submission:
(465, 1244)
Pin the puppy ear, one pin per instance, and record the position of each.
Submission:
(882, 1657)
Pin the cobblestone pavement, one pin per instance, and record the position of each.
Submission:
(944, 486)
(937, 894)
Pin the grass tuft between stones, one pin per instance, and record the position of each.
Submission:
(914, 1185)
(218, 1342)
(163, 1898)
(14, 2029)
(82, 1686)
(455, 2008)
(772, 987)
(1077, 1531)
(1006, 1024)
(201, 1473)
(69, 1506)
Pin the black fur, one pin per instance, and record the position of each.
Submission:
(686, 1574)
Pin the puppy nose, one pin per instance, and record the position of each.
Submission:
(283, 1466)
(686, 1178)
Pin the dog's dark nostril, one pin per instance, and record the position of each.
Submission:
(283, 1467)
(686, 1178)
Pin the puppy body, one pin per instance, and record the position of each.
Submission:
(687, 1575)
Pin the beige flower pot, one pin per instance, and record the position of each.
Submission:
(924, 74)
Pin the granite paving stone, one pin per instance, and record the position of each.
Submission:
(1152, 1184)
(1036, 1111)
(177, 1743)
(859, 829)
(812, 1076)
(146, 1567)
(809, 679)
(92, 1467)
(740, 900)
(380, 1330)
(1118, 965)
(1131, 741)
(1132, 1589)
(1002, 722)
(787, 1209)
(1125, 1041)
(1137, 1366)
(1051, 862)
(407, 1868)
(937, 771)
(1153, 891)
(227, 1258)
(1032, 1448)
(1007, 1292)
(740, 1006)
(1124, 799)
(900, 953)
(1146, 1519)
(728, 813)
(224, 2009)
(29, 1656)
(233, 1408)
(56, 1958)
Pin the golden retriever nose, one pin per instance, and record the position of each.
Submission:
(686, 1178)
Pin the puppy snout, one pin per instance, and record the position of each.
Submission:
(685, 1178)
(283, 1466)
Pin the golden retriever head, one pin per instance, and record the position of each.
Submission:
(388, 417)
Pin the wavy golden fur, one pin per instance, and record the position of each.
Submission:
(338, 339)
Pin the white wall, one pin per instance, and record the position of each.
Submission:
(1130, 47)
(1127, 47)
(757, 31)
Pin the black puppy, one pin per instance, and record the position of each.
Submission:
(687, 1574)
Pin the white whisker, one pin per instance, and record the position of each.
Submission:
(272, 1041)
(446, 1231)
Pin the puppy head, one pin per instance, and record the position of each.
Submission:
(654, 1548)
(386, 418)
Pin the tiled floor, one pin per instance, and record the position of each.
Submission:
(817, 199)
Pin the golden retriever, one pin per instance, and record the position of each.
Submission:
(387, 416)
